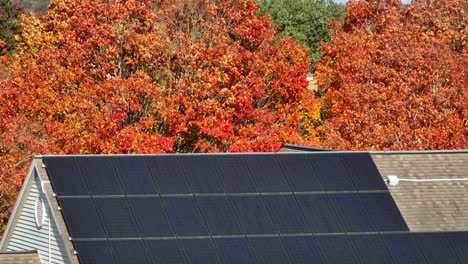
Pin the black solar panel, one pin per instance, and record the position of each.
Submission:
(235, 208)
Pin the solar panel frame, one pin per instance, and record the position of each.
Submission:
(201, 174)
(303, 250)
(299, 173)
(253, 215)
(150, 216)
(219, 215)
(269, 250)
(116, 217)
(134, 175)
(81, 217)
(94, 251)
(167, 174)
(351, 212)
(331, 172)
(65, 174)
(370, 249)
(200, 251)
(189, 210)
(319, 213)
(266, 172)
(286, 214)
(234, 174)
(363, 171)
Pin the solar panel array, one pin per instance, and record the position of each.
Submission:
(233, 208)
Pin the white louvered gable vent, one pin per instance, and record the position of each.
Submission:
(39, 211)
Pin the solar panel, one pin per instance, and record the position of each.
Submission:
(403, 249)
(299, 172)
(234, 174)
(65, 175)
(81, 218)
(351, 212)
(201, 174)
(116, 217)
(436, 248)
(363, 171)
(92, 252)
(168, 174)
(235, 251)
(100, 176)
(303, 250)
(384, 212)
(370, 249)
(185, 216)
(337, 249)
(134, 175)
(319, 213)
(286, 214)
(166, 251)
(331, 172)
(267, 173)
(219, 215)
(253, 215)
(150, 216)
(459, 242)
(130, 251)
(200, 251)
(269, 250)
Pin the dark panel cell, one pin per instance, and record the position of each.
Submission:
(201, 174)
(234, 174)
(331, 172)
(459, 242)
(403, 249)
(219, 215)
(100, 175)
(351, 212)
(384, 212)
(165, 251)
(363, 171)
(269, 250)
(151, 217)
(267, 173)
(303, 250)
(93, 252)
(65, 175)
(336, 249)
(253, 215)
(436, 248)
(299, 172)
(134, 175)
(116, 217)
(130, 252)
(168, 174)
(200, 251)
(235, 251)
(185, 216)
(319, 213)
(286, 214)
(81, 218)
(370, 249)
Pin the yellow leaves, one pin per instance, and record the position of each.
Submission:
(33, 36)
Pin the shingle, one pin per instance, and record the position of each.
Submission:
(19, 258)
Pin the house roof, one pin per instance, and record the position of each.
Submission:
(27, 257)
(319, 207)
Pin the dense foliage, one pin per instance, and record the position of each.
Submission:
(148, 76)
(305, 20)
(9, 25)
(395, 77)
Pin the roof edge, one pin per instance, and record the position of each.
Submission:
(18, 252)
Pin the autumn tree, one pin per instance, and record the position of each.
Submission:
(305, 20)
(148, 76)
(394, 77)
(9, 25)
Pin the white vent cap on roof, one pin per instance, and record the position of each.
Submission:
(393, 180)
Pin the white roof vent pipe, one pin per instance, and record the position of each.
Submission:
(393, 180)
